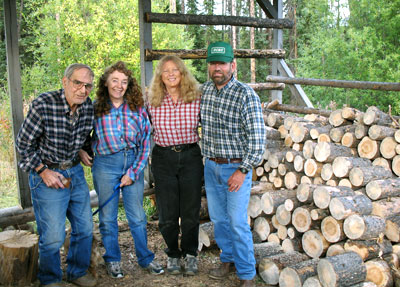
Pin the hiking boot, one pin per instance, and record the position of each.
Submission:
(85, 281)
(221, 272)
(247, 283)
(114, 269)
(190, 265)
(154, 268)
(174, 265)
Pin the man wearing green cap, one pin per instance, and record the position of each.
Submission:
(233, 142)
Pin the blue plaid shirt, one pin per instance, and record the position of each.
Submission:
(232, 123)
(50, 133)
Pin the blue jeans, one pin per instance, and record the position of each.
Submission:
(107, 171)
(228, 212)
(51, 207)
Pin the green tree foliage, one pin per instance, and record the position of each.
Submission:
(98, 35)
(363, 47)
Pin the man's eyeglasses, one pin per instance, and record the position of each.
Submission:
(78, 85)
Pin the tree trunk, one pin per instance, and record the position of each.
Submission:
(327, 171)
(254, 208)
(308, 149)
(18, 257)
(312, 168)
(350, 140)
(292, 244)
(361, 176)
(272, 199)
(378, 272)
(304, 192)
(369, 249)
(322, 195)
(332, 229)
(383, 188)
(270, 267)
(342, 165)
(386, 207)
(301, 218)
(368, 148)
(296, 274)
(387, 147)
(262, 227)
(341, 270)
(374, 116)
(396, 165)
(282, 215)
(378, 133)
(206, 235)
(335, 249)
(336, 134)
(363, 227)
(266, 249)
(361, 131)
(350, 113)
(291, 180)
(392, 230)
(336, 119)
(344, 206)
(327, 152)
(314, 243)
(316, 131)
(298, 163)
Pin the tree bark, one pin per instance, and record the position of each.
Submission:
(341, 270)
(18, 257)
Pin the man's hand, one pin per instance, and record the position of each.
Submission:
(85, 158)
(54, 179)
(236, 180)
(126, 180)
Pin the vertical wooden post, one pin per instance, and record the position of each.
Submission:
(277, 44)
(14, 88)
(146, 67)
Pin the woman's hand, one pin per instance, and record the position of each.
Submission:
(126, 180)
(85, 158)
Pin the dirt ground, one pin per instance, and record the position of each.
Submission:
(135, 276)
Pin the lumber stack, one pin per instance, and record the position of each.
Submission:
(329, 189)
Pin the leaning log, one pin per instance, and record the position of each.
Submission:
(18, 257)
(341, 270)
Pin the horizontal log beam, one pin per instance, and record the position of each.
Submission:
(381, 86)
(190, 19)
(267, 86)
(151, 55)
(274, 105)
(16, 215)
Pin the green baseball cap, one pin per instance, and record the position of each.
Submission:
(219, 52)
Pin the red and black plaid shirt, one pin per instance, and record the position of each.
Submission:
(175, 123)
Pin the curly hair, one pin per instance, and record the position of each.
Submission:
(189, 87)
(133, 94)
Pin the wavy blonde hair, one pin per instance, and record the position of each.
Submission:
(189, 87)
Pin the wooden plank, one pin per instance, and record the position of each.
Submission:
(15, 91)
(146, 42)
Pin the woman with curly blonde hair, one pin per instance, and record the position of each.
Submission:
(174, 108)
(121, 144)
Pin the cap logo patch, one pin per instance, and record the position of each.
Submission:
(218, 50)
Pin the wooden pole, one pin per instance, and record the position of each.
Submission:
(363, 85)
(189, 19)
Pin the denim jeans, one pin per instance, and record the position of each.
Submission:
(178, 179)
(228, 212)
(107, 171)
(51, 207)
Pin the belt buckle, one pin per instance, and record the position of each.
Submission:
(66, 165)
(177, 148)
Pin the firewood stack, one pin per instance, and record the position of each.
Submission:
(329, 188)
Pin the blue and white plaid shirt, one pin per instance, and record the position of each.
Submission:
(50, 133)
(232, 123)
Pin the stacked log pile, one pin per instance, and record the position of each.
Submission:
(329, 189)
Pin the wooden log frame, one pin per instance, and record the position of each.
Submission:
(296, 274)
(190, 19)
(152, 55)
(342, 270)
(18, 257)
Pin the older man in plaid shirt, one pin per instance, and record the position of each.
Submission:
(233, 142)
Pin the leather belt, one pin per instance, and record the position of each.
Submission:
(63, 165)
(221, 160)
(179, 148)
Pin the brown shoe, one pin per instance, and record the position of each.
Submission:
(85, 281)
(221, 272)
(247, 283)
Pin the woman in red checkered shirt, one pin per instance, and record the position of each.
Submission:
(177, 166)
